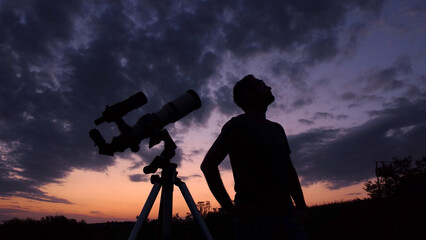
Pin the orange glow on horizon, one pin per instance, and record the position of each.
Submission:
(110, 195)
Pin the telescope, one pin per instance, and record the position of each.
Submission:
(149, 125)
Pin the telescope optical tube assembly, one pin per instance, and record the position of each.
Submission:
(147, 126)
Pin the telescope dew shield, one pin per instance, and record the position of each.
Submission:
(115, 112)
(179, 107)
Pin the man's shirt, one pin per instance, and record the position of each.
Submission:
(258, 151)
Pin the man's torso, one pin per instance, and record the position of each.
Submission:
(258, 152)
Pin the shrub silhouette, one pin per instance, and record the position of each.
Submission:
(49, 227)
(400, 177)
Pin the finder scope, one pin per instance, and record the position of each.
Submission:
(118, 110)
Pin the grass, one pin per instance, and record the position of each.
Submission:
(393, 218)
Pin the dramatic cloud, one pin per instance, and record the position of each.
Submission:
(301, 102)
(391, 78)
(343, 157)
(186, 178)
(61, 62)
(306, 121)
(139, 178)
(323, 115)
(342, 117)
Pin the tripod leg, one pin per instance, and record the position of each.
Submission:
(191, 204)
(165, 214)
(145, 210)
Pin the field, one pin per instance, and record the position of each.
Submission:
(396, 218)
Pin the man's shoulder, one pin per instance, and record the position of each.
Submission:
(237, 119)
(275, 124)
(244, 119)
(234, 122)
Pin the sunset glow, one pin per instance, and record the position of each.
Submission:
(349, 81)
(110, 196)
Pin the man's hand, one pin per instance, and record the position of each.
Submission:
(301, 216)
(242, 210)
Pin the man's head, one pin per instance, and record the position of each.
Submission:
(250, 91)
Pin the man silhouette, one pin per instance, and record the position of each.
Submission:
(265, 179)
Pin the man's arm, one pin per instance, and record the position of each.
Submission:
(210, 168)
(295, 188)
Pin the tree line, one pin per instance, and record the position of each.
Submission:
(398, 177)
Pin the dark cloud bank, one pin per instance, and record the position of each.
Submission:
(62, 61)
(343, 157)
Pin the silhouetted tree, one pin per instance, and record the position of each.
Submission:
(400, 177)
(203, 207)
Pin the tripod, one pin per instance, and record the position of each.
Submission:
(166, 181)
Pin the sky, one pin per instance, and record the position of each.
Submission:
(349, 79)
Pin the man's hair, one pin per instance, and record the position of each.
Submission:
(240, 91)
